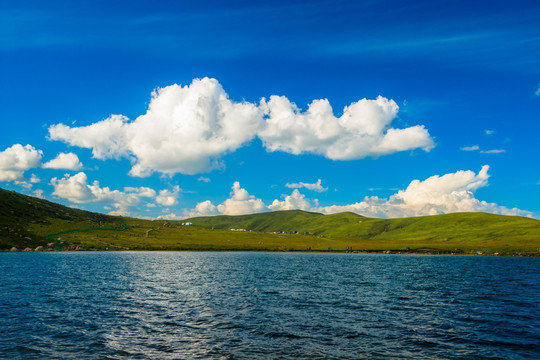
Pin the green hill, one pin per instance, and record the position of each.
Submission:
(461, 226)
(290, 220)
(462, 231)
(25, 222)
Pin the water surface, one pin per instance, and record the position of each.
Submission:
(200, 305)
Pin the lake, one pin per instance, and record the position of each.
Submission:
(200, 305)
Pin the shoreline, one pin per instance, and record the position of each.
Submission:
(359, 252)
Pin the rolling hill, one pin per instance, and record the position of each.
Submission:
(457, 226)
(25, 222)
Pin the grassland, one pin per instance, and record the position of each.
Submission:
(25, 221)
(458, 233)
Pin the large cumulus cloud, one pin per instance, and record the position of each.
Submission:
(187, 129)
(363, 129)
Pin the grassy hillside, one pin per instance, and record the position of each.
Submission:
(25, 221)
(291, 220)
(350, 225)
(460, 230)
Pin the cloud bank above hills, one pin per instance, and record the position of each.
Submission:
(449, 193)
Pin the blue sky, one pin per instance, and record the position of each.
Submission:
(175, 109)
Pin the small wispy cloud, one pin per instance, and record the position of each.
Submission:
(477, 148)
(537, 92)
(38, 193)
(489, 132)
(383, 189)
(204, 179)
(35, 179)
(494, 151)
(470, 148)
(314, 187)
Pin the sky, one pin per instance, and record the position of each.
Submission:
(174, 109)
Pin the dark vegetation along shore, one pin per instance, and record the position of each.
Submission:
(28, 223)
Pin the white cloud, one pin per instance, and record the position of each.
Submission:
(185, 130)
(188, 129)
(477, 148)
(168, 198)
(204, 179)
(314, 186)
(14, 161)
(25, 184)
(295, 201)
(363, 130)
(537, 92)
(205, 208)
(39, 194)
(107, 138)
(494, 151)
(240, 202)
(121, 210)
(67, 161)
(171, 216)
(436, 195)
(489, 132)
(441, 194)
(76, 189)
(141, 191)
(34, 179)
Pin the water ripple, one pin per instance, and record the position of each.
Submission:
(176, 305)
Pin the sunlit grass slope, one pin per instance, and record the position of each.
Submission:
(439, 227)
(464, 231)
(25, 220)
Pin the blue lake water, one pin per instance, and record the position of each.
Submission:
(200, 305)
